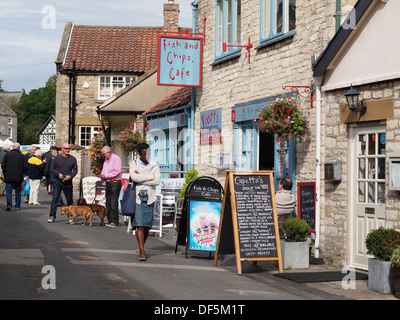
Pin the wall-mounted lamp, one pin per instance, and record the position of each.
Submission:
(352, 102)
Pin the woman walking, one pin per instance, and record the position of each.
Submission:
(146, 175)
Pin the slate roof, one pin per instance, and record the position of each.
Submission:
(177, 98)
(339, 39)
(112, 49)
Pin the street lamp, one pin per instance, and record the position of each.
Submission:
(352, 102)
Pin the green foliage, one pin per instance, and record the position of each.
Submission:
(395, 258)
(382, 242)
(34, 109)
(190, 175)
(296, 230)
(1, 83)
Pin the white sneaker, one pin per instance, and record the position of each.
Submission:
(51, 220)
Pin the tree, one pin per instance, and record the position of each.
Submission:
(34, 109)
(1, 82)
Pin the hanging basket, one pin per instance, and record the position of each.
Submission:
(129, 139)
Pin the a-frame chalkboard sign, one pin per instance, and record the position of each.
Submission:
(198, 228)
(249, 223)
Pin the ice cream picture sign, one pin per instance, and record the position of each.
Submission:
(179, 61)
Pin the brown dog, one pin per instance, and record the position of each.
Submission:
(75, 211)
(97, 209)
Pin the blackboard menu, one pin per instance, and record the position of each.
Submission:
(306, 203)
(255, 219)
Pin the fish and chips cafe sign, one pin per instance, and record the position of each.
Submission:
(179, 61)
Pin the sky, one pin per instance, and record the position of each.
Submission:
(31, 31)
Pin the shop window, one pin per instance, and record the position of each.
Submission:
(228, 27)
(278, 19)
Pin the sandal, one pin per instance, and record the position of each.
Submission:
(142, 257)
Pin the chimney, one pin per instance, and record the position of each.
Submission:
(171, 16)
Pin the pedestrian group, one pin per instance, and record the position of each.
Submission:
(60, 169)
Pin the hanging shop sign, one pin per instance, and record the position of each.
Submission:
(211, 126)
(179, 61)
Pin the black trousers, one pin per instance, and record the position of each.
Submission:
(112, 196)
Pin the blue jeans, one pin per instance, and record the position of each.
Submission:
(57, 188)
(9, 190)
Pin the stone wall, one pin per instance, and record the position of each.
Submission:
(285, 62)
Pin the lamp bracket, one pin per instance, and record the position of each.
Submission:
(307, 92)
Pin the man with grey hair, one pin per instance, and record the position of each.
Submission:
(14, 166)
(112, 174)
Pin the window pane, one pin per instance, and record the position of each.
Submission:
(220, 27)
(371, 168)
(292, 15)
(381, 168)
(361, 168)
(361, 192)
(238, 21)
(381, 143)
(371, 192)
(381, 193)
(267, 18)
(228, 27)
(371, 143)
(361, 144)
(279, 16)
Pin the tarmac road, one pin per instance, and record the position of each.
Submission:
(101, 263)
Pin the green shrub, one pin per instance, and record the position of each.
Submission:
(190, 176)
(296, 230)
(381, 243)
(395, 258)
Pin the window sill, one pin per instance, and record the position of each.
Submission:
(226, 57)
(267, 42)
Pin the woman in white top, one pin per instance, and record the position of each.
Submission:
(146, 175)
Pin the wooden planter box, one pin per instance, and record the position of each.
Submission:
(295, 255)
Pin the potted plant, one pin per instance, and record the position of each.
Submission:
(395, 262)
(381, 243)
(284, 119)
(95, 145)
(295, 247)
(129, 139)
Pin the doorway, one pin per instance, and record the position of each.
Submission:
(266, 153)
(368, 188)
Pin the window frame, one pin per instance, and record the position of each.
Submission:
(227, 28)
(273, 35)
(93, 133)
(115, 85)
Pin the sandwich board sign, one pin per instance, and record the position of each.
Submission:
(199, 225)
(249, 223)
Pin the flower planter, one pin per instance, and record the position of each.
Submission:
(295, 255)
(379, 276)
(396, 281)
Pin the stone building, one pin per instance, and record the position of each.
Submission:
(284, 38)
(363, 141)
(8, 118)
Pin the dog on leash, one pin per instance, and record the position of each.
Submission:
(75, 211)
(97, 209)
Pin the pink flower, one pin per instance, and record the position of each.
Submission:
(278, 140)
(261, 118)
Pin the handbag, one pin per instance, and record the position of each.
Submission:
(27, 188)
(128, 201)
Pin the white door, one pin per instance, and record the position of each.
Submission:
(368, 189)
